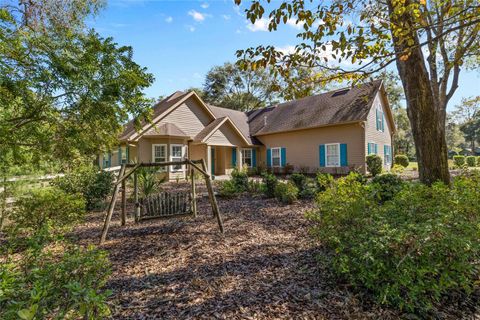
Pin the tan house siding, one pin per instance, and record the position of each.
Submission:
(302, 146)
(225, 136)
(372, 135)
(190, 117)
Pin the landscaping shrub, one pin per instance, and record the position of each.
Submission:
(374, 164)
(323, 181)
(459, 161)
(240, 179)
(299, 180)
(48, 285)
(471, 161)
(47, 209)
(227, 189)
(409, 251)
(286, 193)
(94, 186)
(478, 161)
(150, 180)
(255, 186)
(401, 160)
(397, 169)
(386, 186)
(270, 182)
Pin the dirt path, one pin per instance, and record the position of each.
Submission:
(264, 267)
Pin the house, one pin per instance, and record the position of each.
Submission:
(332, 132)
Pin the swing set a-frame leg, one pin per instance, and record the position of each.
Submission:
(111, 206)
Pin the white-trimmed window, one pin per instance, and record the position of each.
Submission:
(276, 157)
(332, 154)
(247, 157)
(380, 119)
(124, 154)
(177, 153)
(388, 155)
(159, 154)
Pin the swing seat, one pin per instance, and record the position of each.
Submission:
(166, 205)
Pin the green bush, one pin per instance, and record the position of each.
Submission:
(240, 179)
(397, 169)
(299, 180)
(94, 186)
(409, 251)
(402, 160)
(374, 164)
(459, 161)
(286, 193)
(478, 161)
(471, 161)
(255, 186)
(386, 186)
(46, 285)
(308, 192)
(323, 181)
(48, 209)
(270, 182)
(150, 180)
(227, 189)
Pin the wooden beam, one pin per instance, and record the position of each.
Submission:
(111, 206)
(213, 200)
(135, 196)
(194, 193)
(128, 174)
(124, 203)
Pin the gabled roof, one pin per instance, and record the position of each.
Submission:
(331, 108)
(166, 129)
(348, 105)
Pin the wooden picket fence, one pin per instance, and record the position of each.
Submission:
(166, 205)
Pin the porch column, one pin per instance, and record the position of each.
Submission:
(239, 158)
(209, 159)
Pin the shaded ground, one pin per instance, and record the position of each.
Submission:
(263, 267)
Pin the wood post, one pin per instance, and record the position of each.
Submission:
(124, 203)
(213, 200)
(111, 207)
(135, 197)
(194, 193)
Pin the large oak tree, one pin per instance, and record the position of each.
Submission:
(428, 40)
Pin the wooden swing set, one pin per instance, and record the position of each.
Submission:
(163, 205)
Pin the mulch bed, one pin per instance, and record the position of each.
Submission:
(265, 266)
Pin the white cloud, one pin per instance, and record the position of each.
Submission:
(168, 19)
(190, 28)
(204, 5)
(197, 16)
(288, 49)
(226, 17)
(259, 25)
(293, 23)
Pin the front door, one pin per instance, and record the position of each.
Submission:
(212, 160)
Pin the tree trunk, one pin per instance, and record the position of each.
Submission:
(427, 113)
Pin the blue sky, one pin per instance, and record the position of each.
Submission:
(179, 41)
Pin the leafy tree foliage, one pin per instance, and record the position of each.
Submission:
(429, 41)
(467, 114)
(64, 90)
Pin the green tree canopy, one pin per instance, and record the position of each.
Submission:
(65, 91)
(428, 40)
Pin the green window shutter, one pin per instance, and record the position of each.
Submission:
(269, 157)
(376, 148)
(128, 154)
(234, 157)
(383, 122)
(376, 118)
(119, 155)
(368, 148)
(283, 156)
(254, 158)
(343, 155)
(321, 154)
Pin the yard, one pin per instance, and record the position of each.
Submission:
(264, 266)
